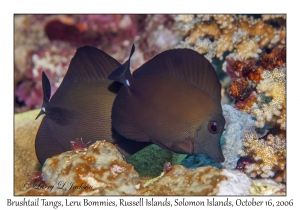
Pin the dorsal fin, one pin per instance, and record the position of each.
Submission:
(187, 65)
(89, 64)
(123, 73)
(47, 93)
(46, 87)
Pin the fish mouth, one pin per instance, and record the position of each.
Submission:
(213, 152)
(216, 154)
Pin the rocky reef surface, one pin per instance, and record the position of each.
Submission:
(249, 55)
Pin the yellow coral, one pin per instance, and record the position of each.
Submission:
(269, 155)
(273, 85)
(228, 32)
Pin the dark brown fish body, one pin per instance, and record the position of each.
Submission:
(69, 119)
(80, 109)
(173, 101)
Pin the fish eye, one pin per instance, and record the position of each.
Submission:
(213, 127)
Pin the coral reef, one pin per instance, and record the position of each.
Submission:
(269, 155)
(250, 50)
(273, 85)
(260, 90)
(267, 103)
(245, 37)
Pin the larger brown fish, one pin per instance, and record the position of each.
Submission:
(173, 100)
(81, 107)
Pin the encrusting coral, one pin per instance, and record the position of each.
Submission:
(237, 124)
(98, 170)
(245, 36)
(101, 170)
(201, 181)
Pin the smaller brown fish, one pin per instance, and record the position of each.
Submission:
(81, 107)
(173, 100)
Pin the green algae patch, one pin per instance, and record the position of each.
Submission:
(150, 160)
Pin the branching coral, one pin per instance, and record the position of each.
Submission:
(215, 34)
(267, 103)
(273, 85)
(269, 154)
(261, 90)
